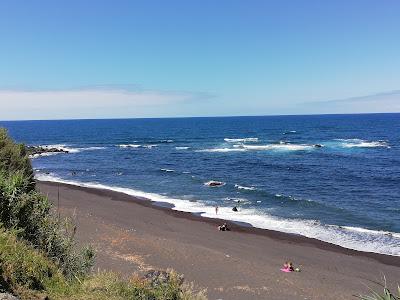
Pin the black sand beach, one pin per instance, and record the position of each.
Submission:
(132, 235)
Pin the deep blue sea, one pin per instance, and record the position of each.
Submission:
(346, 192)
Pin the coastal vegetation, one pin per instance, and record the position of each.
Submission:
(387, 294)
(39, 258)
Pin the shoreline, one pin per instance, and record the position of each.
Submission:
(132, 236)
(240, 227)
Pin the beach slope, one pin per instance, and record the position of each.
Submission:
(131, 235)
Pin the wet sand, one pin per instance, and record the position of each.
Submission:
(132, 235)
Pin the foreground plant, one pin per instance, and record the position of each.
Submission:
(29, 213)
(39, 258)
(386, 295)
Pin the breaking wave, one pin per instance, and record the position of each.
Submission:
(222, 150)
(359, 143)
(356, 238)
(242, 140)
(247, 188)
(137, 146)
(282, 147)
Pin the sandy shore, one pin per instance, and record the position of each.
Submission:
(132, 235)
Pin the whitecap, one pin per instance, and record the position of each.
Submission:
(290, 132)
(137, 146)
(129, 146)
(243, 140)
(222, 150)
(247, 188)
(283, 147)
(61, 147)
(92, 148)
(359, 143)
(349, 237)
(182, 148)
(149, 146)
(167, 170)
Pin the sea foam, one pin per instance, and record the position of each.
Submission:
(349, 237)
(247, 188)
(242, 140)
(282, 147)
(359, 143)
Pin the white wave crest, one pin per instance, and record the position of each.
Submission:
(182, 148)
(349, 237)
(129, 146)
(61, 147)
(290, 132)
(358, 143)
(92, 148)
(149, 146)
(222, 150)
(167, 170)
(242, 140)
(136, 146)
(247, 188)
(282, 147)
(43, 154)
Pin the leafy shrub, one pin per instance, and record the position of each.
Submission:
(38, 255)
(24, 209)
(14, 158)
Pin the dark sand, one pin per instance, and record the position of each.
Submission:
(131, 235)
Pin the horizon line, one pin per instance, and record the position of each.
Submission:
(200, 117)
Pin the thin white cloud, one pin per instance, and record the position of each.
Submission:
(94, 102)
(386, 102)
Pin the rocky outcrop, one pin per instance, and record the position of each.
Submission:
(39, 150)
(158, 278)
(214, 183)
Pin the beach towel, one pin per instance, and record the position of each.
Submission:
(285, 270)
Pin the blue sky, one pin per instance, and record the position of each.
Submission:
(98, 59)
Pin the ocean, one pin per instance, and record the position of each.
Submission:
(335, 178)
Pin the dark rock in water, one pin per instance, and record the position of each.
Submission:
(234, 208)
(318, 146)
(158, 278)
(213, 183)
(38, 150)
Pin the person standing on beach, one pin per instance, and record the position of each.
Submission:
(216, 210)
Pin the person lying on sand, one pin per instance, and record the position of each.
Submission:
(223, 227)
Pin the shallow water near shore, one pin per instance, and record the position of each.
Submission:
(334, 178)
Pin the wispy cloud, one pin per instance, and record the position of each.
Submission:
(380, 102)
(91, 102)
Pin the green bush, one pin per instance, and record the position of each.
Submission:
(29, 274)
(14, 158)
(38, 255)
(24, 209)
